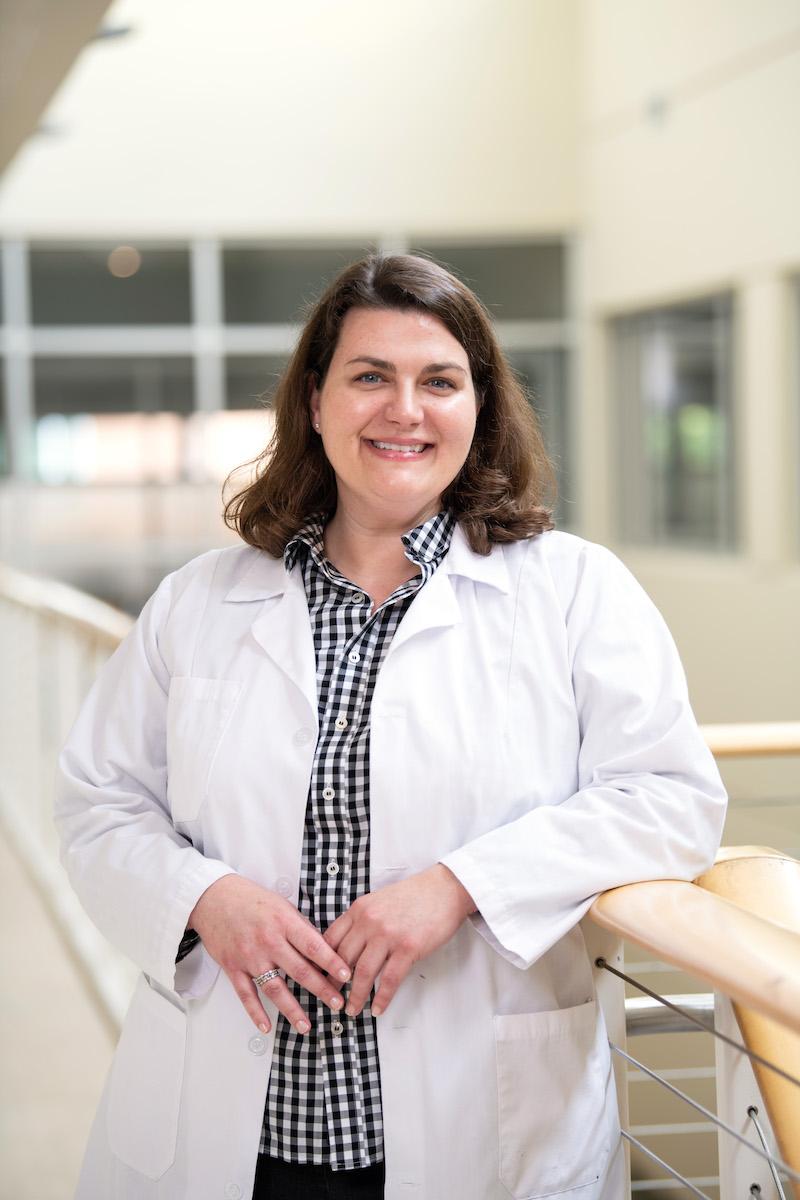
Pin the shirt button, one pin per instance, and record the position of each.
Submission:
(328, 793)
(257, 1045)
(232, 1191)
(341, 722)
(338, 1028)
(332, 868)
(358, 597)
(283, 886)
(302, 737)
(354, 656)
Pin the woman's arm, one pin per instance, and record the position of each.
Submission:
(650, 802)
(137, 878)
(140, 881)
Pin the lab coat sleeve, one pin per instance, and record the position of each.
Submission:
(650, 803)
(135, 875)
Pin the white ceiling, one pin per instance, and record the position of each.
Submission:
(311, 117)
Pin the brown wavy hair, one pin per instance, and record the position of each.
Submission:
(500, 492)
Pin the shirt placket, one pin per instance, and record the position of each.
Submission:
(335, 886)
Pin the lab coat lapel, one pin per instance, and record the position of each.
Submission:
(434, 607)
(281, 627)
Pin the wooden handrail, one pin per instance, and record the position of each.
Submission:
(738, 928)
(747, 740)
(749, 958)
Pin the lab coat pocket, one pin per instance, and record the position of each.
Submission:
(551, 1101)
(198, 712)
(145, 1084)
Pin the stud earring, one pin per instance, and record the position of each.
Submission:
(316, 426)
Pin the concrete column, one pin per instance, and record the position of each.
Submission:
(764, 431)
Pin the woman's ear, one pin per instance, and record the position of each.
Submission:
(313, 401)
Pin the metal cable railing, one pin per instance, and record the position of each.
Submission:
(754, 965)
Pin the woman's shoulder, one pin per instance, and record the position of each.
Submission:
(556, 550)
(570, 565)
(237, 571)
(220, 569)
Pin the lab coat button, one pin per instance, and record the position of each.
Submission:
(332, 868)
(328, 793)
(283, 886)
(338, 1028)
(302, 737)
(256, 1045)
(232, 1191)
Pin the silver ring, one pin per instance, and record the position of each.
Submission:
(259, 979)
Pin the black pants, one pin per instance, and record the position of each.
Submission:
(279, 1180)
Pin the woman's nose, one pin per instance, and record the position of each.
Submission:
(404, 405)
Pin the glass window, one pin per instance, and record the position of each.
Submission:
(112, 420)
(516, 282)
(274, 285)
(110, 284)
(673, 381)
(250, 382)
(147, 383)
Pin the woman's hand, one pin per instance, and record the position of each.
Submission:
(249, 930)
(389, 930)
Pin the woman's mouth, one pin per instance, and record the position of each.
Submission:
(399, 449)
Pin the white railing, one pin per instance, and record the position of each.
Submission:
(53, 640)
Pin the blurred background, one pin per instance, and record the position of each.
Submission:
(619, 181)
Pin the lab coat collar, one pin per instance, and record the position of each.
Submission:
(283, 630)
(266, 576)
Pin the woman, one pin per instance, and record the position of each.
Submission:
(363, 776)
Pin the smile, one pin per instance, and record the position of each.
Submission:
(406, 448)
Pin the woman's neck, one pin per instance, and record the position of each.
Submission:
(371, 555)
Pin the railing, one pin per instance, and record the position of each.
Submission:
(739, 931)
(53, 640)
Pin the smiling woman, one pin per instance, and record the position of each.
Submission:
(503, 486)
(345, 792)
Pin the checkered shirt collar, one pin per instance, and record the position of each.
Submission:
(426, 543)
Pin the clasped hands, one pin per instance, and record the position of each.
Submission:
(248, 930)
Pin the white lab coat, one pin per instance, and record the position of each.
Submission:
(530, 728)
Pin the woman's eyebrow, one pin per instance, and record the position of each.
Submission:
(387, 366)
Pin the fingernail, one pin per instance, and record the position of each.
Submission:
(350, 1010)
(264, 1028)
(302, 1026)
(376, 1010)
(336, 1002)
(344, 975)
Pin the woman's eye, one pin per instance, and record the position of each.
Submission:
(447, 383)
(368, 377)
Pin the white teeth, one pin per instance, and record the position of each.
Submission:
(416, 448)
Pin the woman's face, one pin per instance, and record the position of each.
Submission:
(397, 414)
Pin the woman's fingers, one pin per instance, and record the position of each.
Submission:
(394, 972)
(246, 991)
(337, 930)
(369, 964)
(285, 1002)
(300, 969)
(313, 946)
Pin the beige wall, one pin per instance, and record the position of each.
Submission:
(312, 119)
(691, 181)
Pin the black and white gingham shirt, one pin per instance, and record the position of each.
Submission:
(324, 1100)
